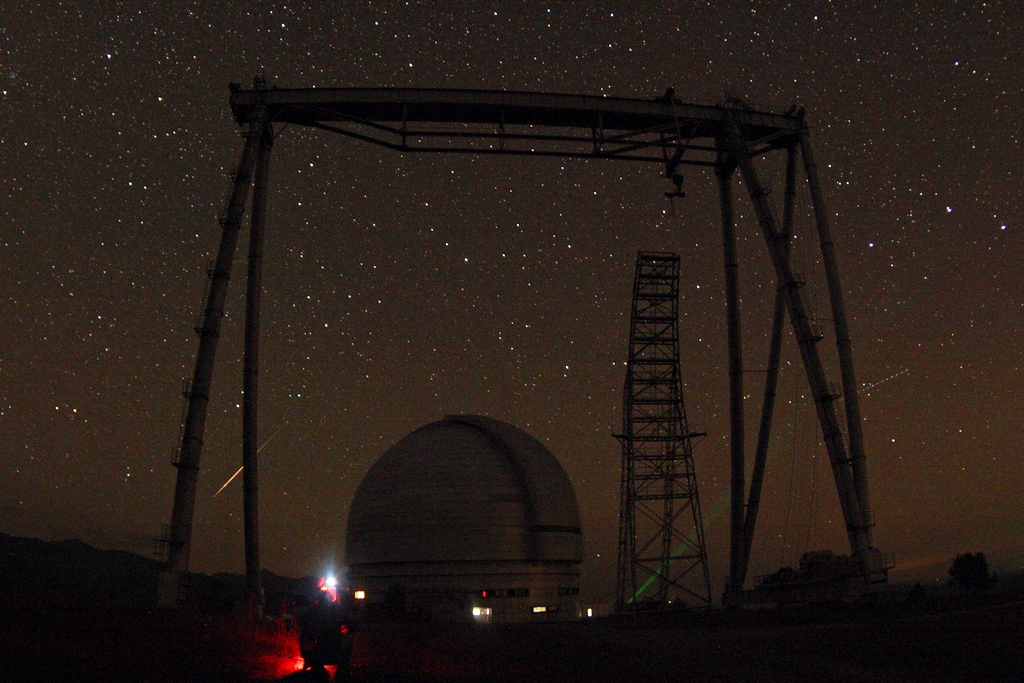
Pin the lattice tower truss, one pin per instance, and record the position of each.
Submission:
(662, 556)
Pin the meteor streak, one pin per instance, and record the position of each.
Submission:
(235, 475)
(871, 386)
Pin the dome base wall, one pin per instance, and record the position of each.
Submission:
(494, 592)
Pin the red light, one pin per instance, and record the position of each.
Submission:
(483, 594)
(344, 628)
(329, 585)
(275, 656)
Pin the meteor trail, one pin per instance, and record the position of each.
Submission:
(235, 475)
(871, 386)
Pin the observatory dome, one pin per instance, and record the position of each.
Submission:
(465, 515)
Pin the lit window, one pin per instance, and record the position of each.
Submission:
(590, 611)
(359, 595)
(540, 608)
(477, 611)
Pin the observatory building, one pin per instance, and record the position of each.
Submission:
(467, 518)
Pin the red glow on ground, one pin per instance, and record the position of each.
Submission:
(279, 655)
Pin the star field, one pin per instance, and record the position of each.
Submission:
(401, 287)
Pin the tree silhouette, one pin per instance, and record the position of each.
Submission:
(970, 572)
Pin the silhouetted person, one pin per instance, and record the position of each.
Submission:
(325, 637)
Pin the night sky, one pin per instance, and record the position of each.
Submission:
(400, 287)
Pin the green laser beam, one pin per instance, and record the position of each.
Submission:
(715, 513)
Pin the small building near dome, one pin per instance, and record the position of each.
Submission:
(467, 518)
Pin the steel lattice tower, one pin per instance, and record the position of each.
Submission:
(662, 557)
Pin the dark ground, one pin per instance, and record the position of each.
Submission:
(944, 640)
(71, 613)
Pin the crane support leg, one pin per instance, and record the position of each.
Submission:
(250, 375)
(724, 172)
(824, 398)
(198, 396)
(835, 292)
(771, 376)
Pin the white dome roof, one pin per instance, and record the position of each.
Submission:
(467, 488)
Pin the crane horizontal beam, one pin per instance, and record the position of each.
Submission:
(505, 122)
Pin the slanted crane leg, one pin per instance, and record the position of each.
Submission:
(823, 397)
(180, 533)
(835, 293)
(771, 376)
